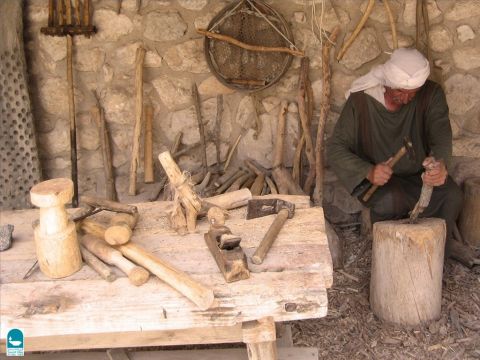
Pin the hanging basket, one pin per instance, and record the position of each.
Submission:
(255, 23)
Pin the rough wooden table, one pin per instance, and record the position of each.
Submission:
(84, 311)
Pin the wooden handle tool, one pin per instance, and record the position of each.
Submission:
(136, 274)
(103, 270)
(270, 237)
(120, 230)
(148, 145)
(200, 295)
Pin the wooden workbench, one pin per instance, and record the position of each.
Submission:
(83, 311)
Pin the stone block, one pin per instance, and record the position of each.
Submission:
(174, 92)
(465, 33)
(187, 57)
(467, 58)
(164, 26)
(365, 48)
(110, 25)
(463, 93)
(463, 9)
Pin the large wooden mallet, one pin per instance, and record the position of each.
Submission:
(407, 148)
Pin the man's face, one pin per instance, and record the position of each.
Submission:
(401, 96)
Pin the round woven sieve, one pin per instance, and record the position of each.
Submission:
(243, 69)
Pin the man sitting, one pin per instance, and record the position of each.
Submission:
(392, 102)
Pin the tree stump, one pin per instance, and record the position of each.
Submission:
(407, 269)
(470, 216)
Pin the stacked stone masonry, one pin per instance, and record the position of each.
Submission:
(104, 65)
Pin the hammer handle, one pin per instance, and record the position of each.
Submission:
(200, 295)
(400, 153)
(103, 270)
(270, 237)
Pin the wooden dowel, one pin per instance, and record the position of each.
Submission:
(392, 24)
(230, 153)
(243, 45)
(201, 127)
(96, 264)
(148, 146)
(218, 127)
(139, 58)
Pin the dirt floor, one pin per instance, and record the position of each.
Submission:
(351, 331)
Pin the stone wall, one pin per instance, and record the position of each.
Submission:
(104, 65)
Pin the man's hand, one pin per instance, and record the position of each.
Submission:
(435, 172)
(380, 174)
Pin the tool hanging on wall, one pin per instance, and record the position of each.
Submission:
(61, 22)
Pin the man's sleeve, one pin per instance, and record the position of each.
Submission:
(439, 130)
(349, 167)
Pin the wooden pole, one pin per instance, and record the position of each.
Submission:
(73, 126)
(201, 127)
(302, 111)
(110, 191)
(324, 110)
(68, 12)
(51, 13)
(96, 264)
(86, 12)
(407, 270)
(148, 155)
(60, 15)
(140, 55)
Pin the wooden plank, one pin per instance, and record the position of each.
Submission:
(94, 306)
(216, 335)
(286, 353)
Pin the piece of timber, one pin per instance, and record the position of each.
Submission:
(228, 254)
(108, 204)
(96, 264)
(121, 228)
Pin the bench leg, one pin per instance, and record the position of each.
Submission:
(260, 338)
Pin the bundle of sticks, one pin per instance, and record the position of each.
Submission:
(65, 20)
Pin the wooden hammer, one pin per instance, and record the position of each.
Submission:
(407, 148)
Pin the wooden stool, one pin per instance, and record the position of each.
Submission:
(58, 251)
(470, 217)
(407, 269)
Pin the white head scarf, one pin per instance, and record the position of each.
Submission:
(406, 69)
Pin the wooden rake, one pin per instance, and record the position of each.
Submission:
(62, 22)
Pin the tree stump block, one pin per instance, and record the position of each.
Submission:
(407, 269)
(470, 216)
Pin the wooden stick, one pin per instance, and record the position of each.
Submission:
(68, 12)
(392, 24)
(297, 157)
(418, 17)
(228, 201)
(105, 204)
(110, 191)
(96, 264)
(201, 127)
(426, 24)
(258, 121)
(140, 56)
(78, 20)
(51, 13)
(218, 128)
(200, 295)
(357, 30)
(257, 186)
(280, 136)
(271, 185)
(86, 12)
(60, 15)
(176, 217)
(136, 274)
(148, 154)
(229, 182)
(307, 187)
(324, 109)
(230, 153)
(73, 126)
(238, 182)
(243, 45)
